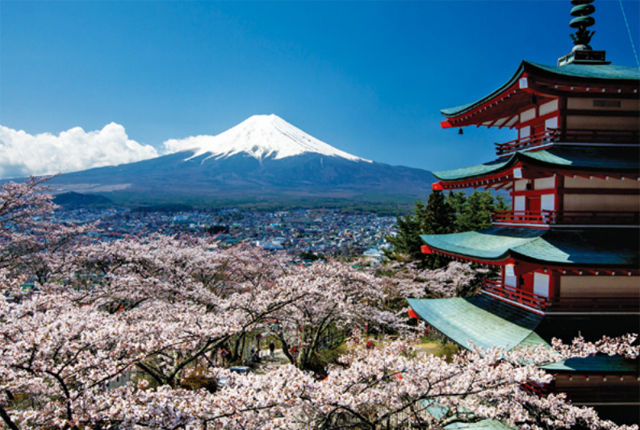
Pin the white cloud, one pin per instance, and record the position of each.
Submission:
(23, 154)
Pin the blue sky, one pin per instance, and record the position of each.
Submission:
(367, 77)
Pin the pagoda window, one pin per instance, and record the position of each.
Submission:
(510, 278)
(528, 115)
(521, 185)
(548, 183)
(602, 104)
(549, 107)
(602, 122)
(541, 284)
(551, 123)
(548, 202)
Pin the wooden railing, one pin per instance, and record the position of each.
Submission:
(516, 295)
(551, 135)
(562, 304)
(524, 217)
(567, 217)
(539, 139)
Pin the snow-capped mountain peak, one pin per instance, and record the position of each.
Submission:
(259, 136)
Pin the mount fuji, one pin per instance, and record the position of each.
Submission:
(262, 162)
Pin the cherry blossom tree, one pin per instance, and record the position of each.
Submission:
(29, 239)
(127, 335)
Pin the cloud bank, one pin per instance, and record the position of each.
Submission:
(23, 154)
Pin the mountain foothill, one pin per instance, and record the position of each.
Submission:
(263, 162)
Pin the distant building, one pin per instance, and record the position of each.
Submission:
(568, 252)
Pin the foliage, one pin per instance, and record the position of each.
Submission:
(474, 211)
(436, 217)
(139, 334)
(451, 214)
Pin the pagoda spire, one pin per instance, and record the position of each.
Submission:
(582, 53)
(581, 11)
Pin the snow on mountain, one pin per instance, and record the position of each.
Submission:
(260, 136)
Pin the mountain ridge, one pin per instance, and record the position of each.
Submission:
(259, 136)
(268, 166)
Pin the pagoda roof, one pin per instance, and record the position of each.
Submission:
(486, 322)
(595, 247)
(480, 425)
(481, 321)
(581, 73)
(570, 157)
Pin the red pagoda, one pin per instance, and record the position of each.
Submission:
(568, 251)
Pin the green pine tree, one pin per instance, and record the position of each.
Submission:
(454, 213)
(437, 217)
(476, 213)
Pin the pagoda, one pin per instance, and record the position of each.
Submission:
(567, 254)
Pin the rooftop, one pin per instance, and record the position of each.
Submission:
(597, 247)
(571, 157)
(578, 73)
(487, 322)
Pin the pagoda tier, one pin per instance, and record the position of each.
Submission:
(562, 185)
(568, 252)
(485, 322)
(583, 270)
(577, 97)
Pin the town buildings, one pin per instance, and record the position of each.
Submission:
(568, 251)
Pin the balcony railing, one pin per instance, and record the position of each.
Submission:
(551, 136)
(562, 304)
(515, 295)
(567, 217)
(539, 139)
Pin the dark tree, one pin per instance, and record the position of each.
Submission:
(437, 217)
(454, 213)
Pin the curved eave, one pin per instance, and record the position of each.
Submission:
(470, 175)
(497, 109)
(462, 109)
(572, 160)
(491, 245)
(486, 322)
(601, 248)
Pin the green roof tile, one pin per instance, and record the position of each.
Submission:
(592, 71)
(596, 363)
(480, 425)
(604, 247)
(480, 320)
(587, 157)
(579, 72)
(487, 322)
(600, 247)
(492, 244)
(572, 157)
(473, 171)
